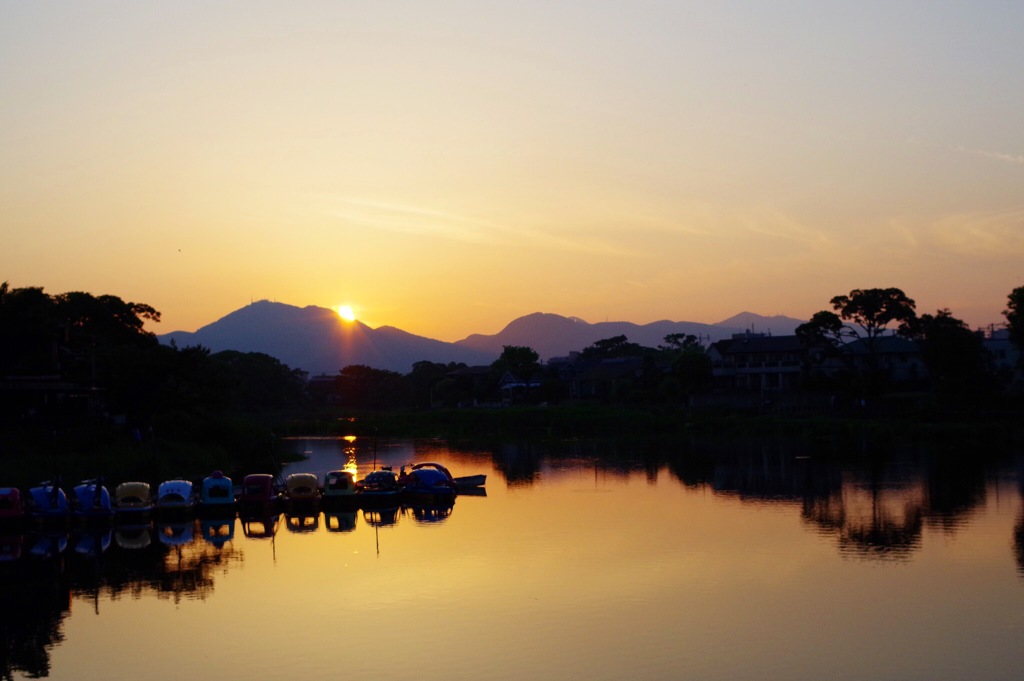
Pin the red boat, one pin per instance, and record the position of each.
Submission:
(258, 496)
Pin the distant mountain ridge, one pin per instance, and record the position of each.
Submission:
(317, 341)
(553, 335)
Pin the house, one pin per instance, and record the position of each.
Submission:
(757, 362)
(897, 358)
(1005, 355)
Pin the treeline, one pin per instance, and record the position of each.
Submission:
(79, 373)
(638, 375)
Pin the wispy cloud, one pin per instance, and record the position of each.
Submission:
(1017, 159)
(997, 235)
(430, 222)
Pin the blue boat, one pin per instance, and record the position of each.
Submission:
(91, 502)
(217, 496)
(48, 504)
(427, 487)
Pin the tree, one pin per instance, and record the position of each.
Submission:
(1014, 314)
(520, 360)
(616, 346)
(955, 355)
(691, 366)
(863, 315)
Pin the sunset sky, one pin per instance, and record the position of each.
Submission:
(448, 166)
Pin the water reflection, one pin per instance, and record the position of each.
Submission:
(876, 507)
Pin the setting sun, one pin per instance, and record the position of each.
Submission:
(346, 313)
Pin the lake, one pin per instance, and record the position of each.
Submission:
(585, 560)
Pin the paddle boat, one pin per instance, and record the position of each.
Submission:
(217, 495)
(258, 496)
(340, 490)
(428, 487)
(379, 489)
(175, 498)
(91, 502)
(47, 503)
(462, 482)
(12, 510)
(133, 502)
(301, 492)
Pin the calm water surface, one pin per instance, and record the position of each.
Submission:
(701, 562)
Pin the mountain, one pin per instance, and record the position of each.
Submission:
(552, 335)
(316, 340)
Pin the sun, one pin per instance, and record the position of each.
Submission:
(346, 313)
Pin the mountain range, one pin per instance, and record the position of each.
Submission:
(317, 341)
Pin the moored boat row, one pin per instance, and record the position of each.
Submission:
(91, 503)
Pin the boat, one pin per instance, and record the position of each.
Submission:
(461, 482)
(217, 495)
(379, 489)
(175, 498)
(258, 496)
(133, 502)
(301, 493)
(428, 487)
(12, 509)
(91, 502)
(340, 490)
(47, 503)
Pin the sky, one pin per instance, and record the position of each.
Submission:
(448, 166)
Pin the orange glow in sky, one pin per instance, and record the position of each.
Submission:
(453, 168)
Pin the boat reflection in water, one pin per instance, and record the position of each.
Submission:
(218, 531)
(302, 523)
(133, 537)
(430, 514)
(340, 521)
(260, 526)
